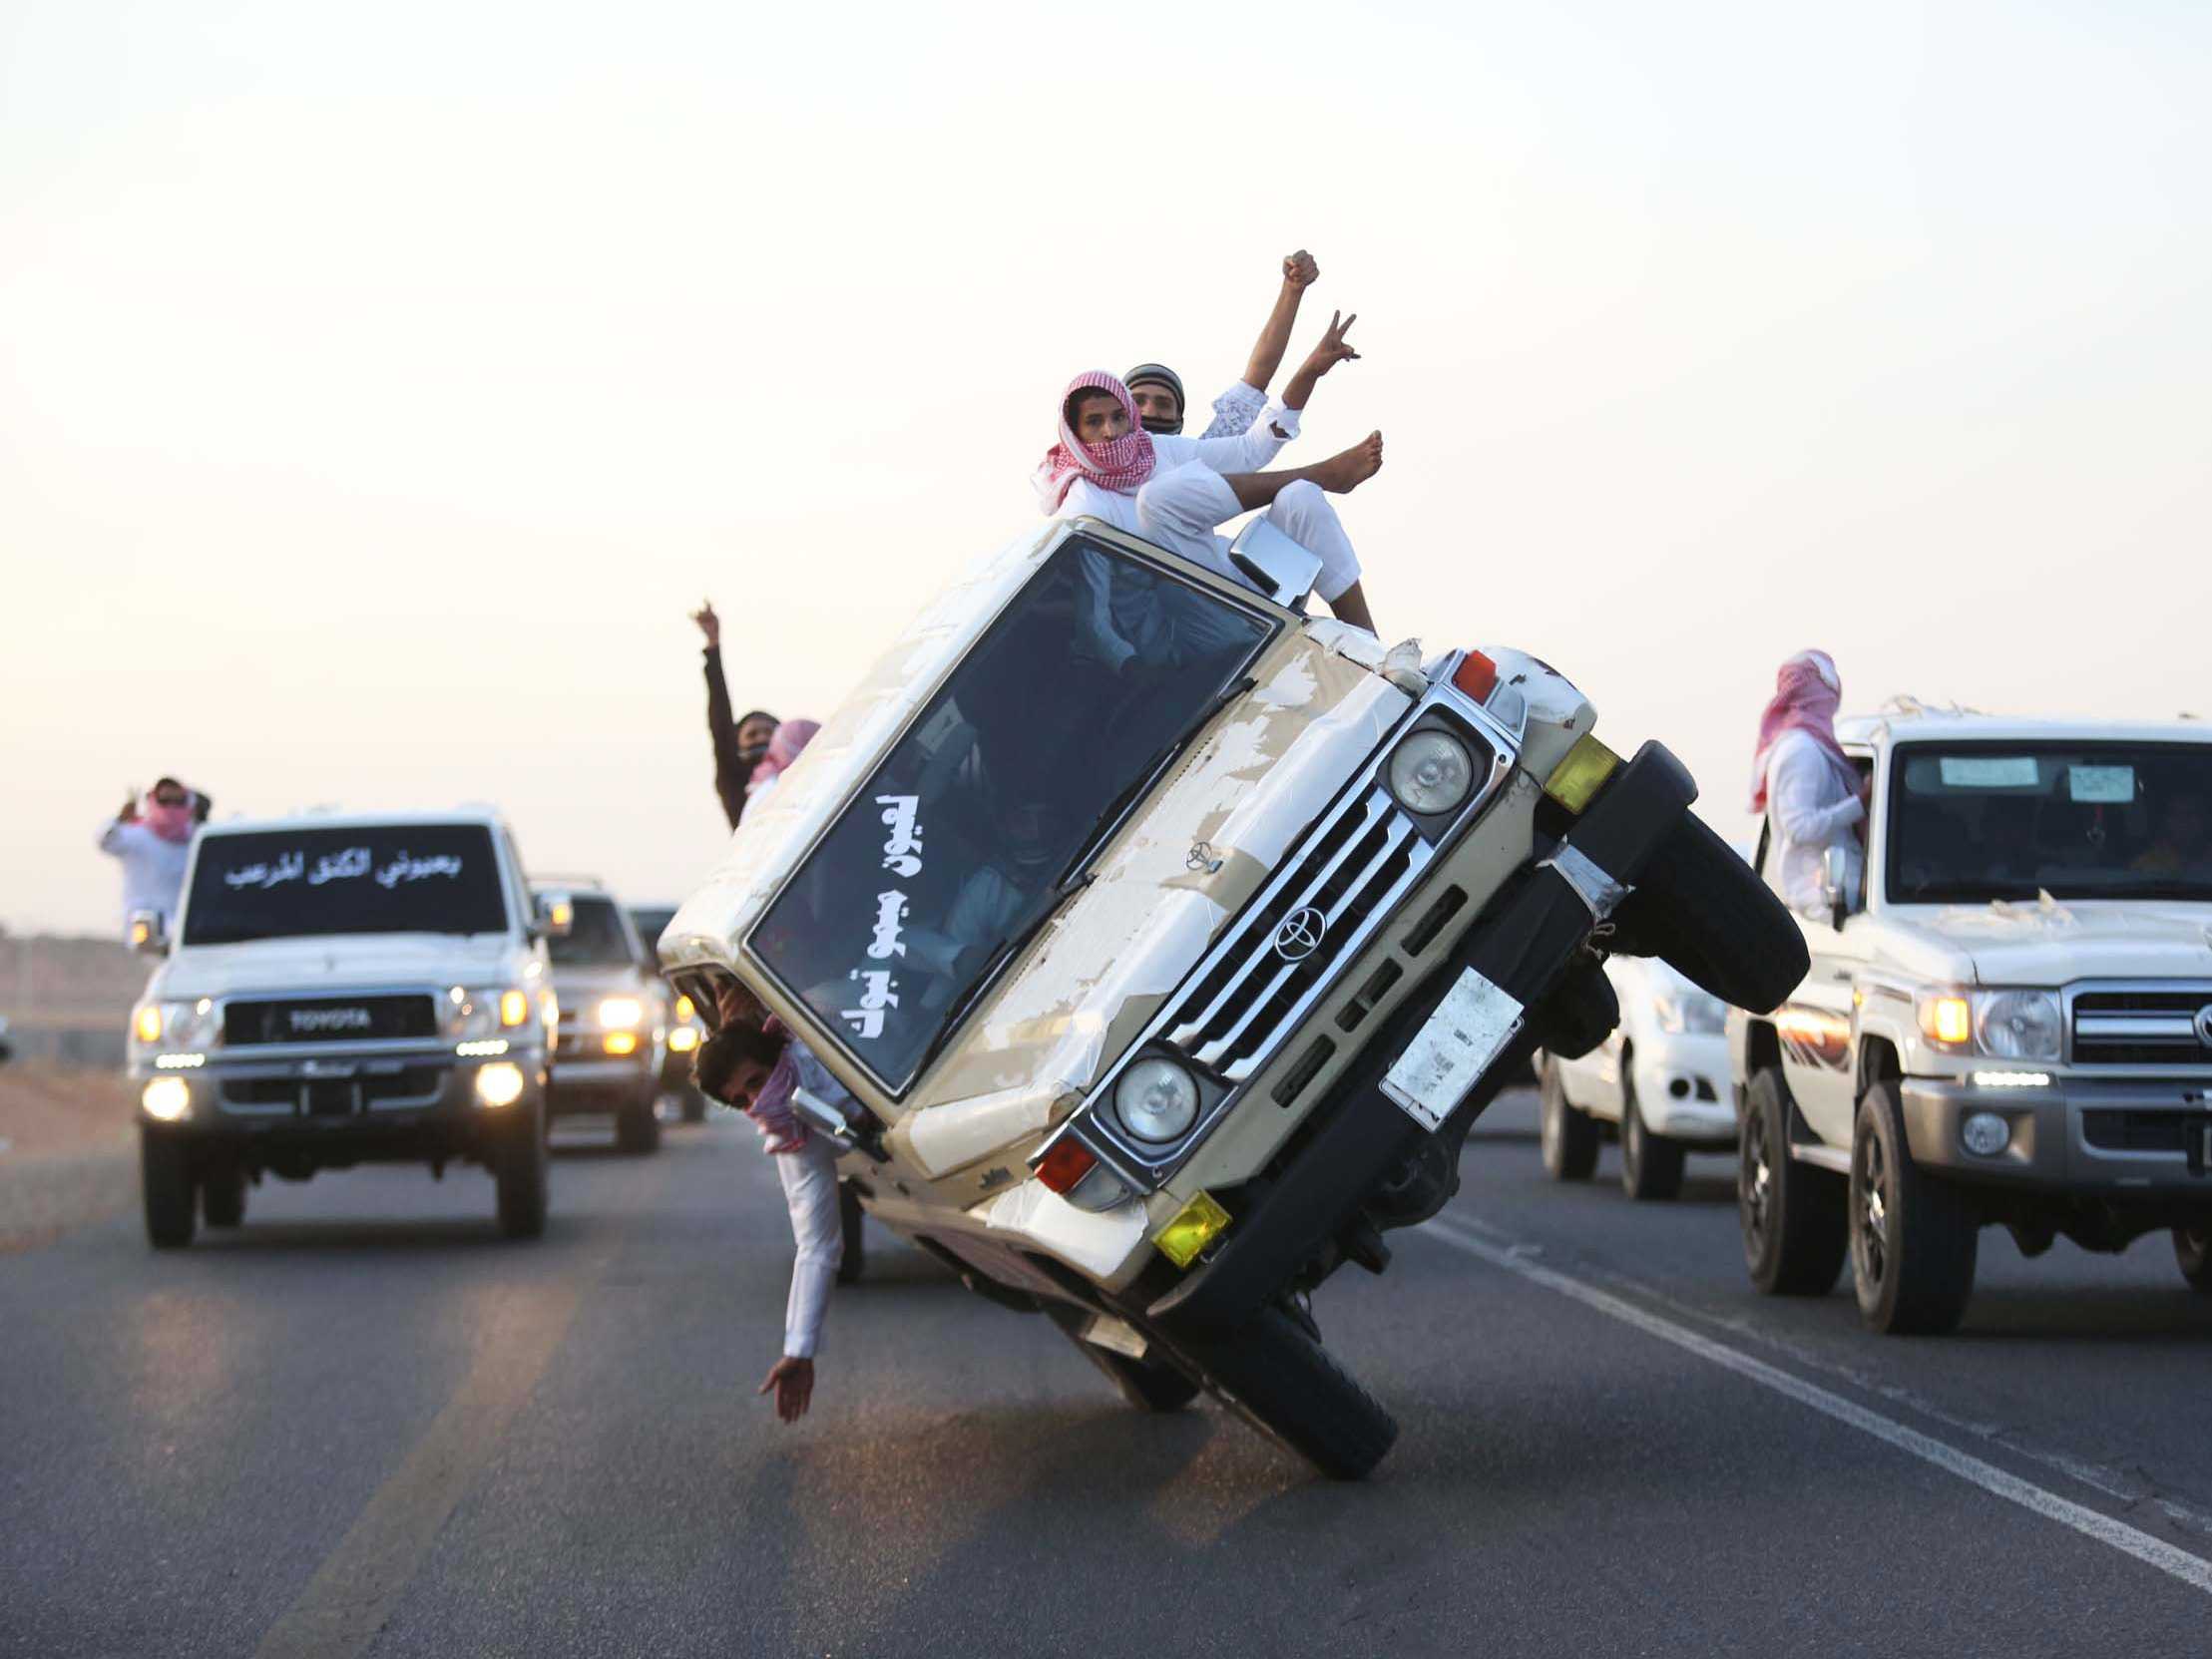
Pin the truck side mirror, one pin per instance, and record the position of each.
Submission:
(556, 915)
(1835, 878)
(147, 937)
(1271, 562)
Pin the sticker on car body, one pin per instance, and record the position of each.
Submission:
(1457, 1045)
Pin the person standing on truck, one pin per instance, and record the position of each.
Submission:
(1804, 783)
(153, 841)
(1158, 389)
(1174, 491)
(741, 746)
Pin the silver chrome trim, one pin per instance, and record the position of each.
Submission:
(2174, 1026)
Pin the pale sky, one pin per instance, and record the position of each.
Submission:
(380, 385)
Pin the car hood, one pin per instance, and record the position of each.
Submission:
(336, 961)
(2055, 942)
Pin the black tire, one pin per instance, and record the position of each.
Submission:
(694, 1106)
(1148, 1384)
(1275, 1376)
(170, 1195)
(638, 1127)
(1568, 1135)
(1581, 1012)
(1914, 1238)
(2193, 1255)
(519, 1166)
(853, 1228)
(1704, 912)
(223, 1195)
(1650, 1165)
(1795, 1235)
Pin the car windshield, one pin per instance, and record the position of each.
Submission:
(954, 847)
(289, 884)
(596, 938)
(1976, 822)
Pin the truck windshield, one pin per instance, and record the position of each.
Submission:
(289, 884)
(955, 845)
(1975, 822)
(596, 939)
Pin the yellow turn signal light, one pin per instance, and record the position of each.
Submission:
(682, 1039)
(1947, 1018)
(147, 1023)
(1197, 1225)
(513, 1008)
(1581, 772)
(684, 1009)
(622, 1043)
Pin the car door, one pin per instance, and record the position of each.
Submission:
(1818, 1025)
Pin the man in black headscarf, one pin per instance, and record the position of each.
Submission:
(740, 744)
(1157, 390)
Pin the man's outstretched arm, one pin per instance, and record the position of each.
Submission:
(730, 773)
(1299, 271)
(1327, 352)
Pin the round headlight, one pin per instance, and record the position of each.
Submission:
(167, 1098)
(2020, 1024)
(1156, 1099)
(1431, 772)
(621, 1013)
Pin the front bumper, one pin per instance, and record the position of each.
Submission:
(606, 1083)
(1683, 1089)
(412, 1104)
(2107, 1137)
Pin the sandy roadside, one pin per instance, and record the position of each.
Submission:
(66, 1150)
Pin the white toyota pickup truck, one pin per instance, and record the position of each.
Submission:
(2010, 1022)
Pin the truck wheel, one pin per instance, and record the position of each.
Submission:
(1146, 1385)
(223, 1195)
(694, 1106)
(1794, 1232)
(519, 1167)
(1704, 912)
(1569, 1136)
(2193, 1254)
(638, 1127)
(1275, 1376)
(165, 1181)
(1914, 1238)
(853, 1261)
(1650, 1165)
(1581, 1012)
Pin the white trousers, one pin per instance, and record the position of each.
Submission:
(1180, 509)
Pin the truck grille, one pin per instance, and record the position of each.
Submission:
(1286, 949)
(2137, 1131)
(2142, 1025)
(328, 1020)
(337, 1097)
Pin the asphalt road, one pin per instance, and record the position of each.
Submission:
(363, 1423)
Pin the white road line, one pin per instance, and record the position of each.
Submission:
(2178, 1563)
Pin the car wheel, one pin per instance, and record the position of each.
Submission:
(852, 1225)
(1650, 1165)
(694, 1106)
(519, 1166)
(1278, 1378)
(638, 1127)
(2193, 1255)
(165, 1183)
(223, 1195)
(1794, 1233)
(1568, 1135)
(1914, 1238)
(1703, 911)
(1148, 1384)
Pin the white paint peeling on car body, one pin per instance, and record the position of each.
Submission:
(1099, 1243)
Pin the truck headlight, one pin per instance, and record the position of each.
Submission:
(484, 1011)
(1431, 772)
(619, 1014)
(1156, 1099)
(186, 1025)
(167, 1098)
(2019, 1025)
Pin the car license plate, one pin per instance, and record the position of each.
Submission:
(1469, 1031)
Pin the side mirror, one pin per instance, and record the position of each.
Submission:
(1274, 564)
(1835, 877)
(556, 915)
(826, 1120)
(148, 938)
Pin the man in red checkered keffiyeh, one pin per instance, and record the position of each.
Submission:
(1118, 453)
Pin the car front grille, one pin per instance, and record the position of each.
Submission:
(2141, 1025)
(1286, 949)
(336, 1096)
(327, 1020)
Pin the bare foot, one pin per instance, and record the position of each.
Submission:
(1344, 472)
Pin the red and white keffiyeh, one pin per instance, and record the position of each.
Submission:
(1120, 465)
(1807, 693)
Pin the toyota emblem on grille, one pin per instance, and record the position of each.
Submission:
(1300, 934)
(2204, 1024)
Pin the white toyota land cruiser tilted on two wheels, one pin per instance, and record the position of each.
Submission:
(343, 991)
(2012, 1025)
(1168, 983)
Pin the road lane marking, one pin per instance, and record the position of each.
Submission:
(2191, 1570)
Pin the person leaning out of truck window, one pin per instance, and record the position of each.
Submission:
(1805, 786)
(741, 746)
(152, 840)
